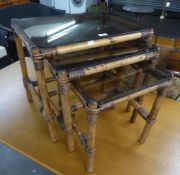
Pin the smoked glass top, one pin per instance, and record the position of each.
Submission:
(45, 32)
(112, 85)
(79, 60)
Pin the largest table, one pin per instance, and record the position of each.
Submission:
(47, 37)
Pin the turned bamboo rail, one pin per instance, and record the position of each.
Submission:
(115, 64)
(136, 94)
(69, 48)
(112, 65)
(97, 43)
(140, 109)
(37, 98)
(97, 55)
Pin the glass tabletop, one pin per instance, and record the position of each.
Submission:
(92, 57)
(46, 32)
(112, 85)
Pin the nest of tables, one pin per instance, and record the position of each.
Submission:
(104, 59)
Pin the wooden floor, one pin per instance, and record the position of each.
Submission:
(118, 152)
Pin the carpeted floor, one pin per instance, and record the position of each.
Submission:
(12, 162)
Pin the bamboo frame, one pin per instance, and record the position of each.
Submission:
(36, 96)
(139, 99)
(153, 114)
(22, 61)
(128, 108)
(97, 43)
(39, 67)
(136, 83)
(64, 86)
(93, 110)
(112, 65)
(98, 55)
(134, 95)
(138, 108)
(91, 136)
(41, 97)
(63, 78)
(135, 112)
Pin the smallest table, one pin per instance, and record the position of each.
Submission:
(104, 90)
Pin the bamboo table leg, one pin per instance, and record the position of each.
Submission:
(39, 67)
(134, 114)
(24, 71)
(64, 86)
(153, 114)
(141, 98)
(92, 119)
(128, 108)
(135, 84)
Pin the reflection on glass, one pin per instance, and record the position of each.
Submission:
(60, 28)
(80, 28)
(61, 33)
(56, 36)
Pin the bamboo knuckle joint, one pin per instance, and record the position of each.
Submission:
(38, 65)
(90, 152)
(25, 82)
(164, 89)
(106, 106)
(49, 118)
(151, 55)
(150, 32)
(49, 53)
(92, 119)
(76, 74)
(83, 140)
(64, 83)
(68, 131)
(64, 88)
(149, 41)
(150, 121)
(38, 57)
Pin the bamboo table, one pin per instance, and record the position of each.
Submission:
(104, 90)
(81, 38)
